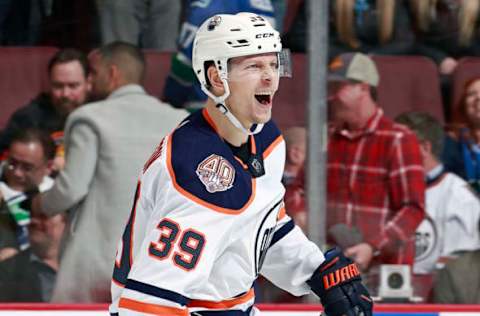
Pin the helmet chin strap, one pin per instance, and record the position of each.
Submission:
(222, 107)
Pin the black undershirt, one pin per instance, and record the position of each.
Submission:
(253, 161)
(243, 151)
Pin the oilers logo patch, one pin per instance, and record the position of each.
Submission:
(216, 173)
(426, 239)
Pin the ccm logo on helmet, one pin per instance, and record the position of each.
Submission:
(264, 35)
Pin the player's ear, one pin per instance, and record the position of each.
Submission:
(214, 77)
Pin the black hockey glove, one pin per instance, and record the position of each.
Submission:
(338, 284)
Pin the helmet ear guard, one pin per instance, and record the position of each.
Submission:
(285, 63)
(226, 36)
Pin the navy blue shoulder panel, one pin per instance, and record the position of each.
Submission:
(192, 147)
(267, 136)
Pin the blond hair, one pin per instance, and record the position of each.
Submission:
(467, 19)
(424, 13)
(344, 17)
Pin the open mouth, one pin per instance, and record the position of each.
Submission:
(264, 98)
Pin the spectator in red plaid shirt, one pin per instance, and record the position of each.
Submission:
(376, 185)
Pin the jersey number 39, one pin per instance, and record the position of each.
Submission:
(186, 245)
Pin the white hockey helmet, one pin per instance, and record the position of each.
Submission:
(225, 36)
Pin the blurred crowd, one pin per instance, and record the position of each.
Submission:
(400, 190)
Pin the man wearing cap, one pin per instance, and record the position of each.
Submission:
(375, 181)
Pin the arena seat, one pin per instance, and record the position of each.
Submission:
(467, 68)
(158, 67)
(289, 103)
(23, 75)
(409, 83)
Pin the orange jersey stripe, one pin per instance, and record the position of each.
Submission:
(282, 213)
(253, 145)
(224, 304)
(209, 120)
(272, 146)
(151, 308)
(241, 162)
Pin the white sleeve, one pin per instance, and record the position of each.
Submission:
(291, 259)
(462, 222)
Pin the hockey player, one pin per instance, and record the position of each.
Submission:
(208, 215)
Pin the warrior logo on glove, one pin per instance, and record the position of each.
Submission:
(340, 275)
(338, 283)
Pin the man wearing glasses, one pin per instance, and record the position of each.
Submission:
(26, 169)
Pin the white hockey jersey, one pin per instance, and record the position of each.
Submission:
(451, 223)
(201, 225)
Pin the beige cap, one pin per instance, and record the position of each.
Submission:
(353, 66)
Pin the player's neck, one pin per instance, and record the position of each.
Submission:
(225, 128)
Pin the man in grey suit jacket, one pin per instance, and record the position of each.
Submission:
(107, 142)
